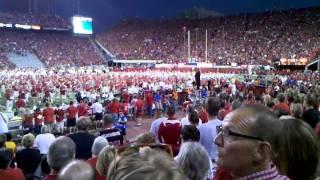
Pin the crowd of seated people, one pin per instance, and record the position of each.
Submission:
(5, 63)
(53, 49)
(48, 21)
(244, 39)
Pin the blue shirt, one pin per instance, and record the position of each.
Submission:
(208, 132)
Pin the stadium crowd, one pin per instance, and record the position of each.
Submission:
(260, 38)
(230, 128)
(52, 48)
(47, 21)
(216, 124)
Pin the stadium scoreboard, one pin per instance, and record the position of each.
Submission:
(82, 25)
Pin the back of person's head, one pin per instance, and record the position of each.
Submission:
(258, 98)
(281, 97)
(296, 110)
(98, 144)
(47, 104)
(45, 129)
(71, 103)
(77, 170)
(213, 106)
(28, 140)
(171, 110)
(190, 133)
(105, 157)
(194, 160)
(310, 100)
(146, 138)
(194, 118)
(6, 157)
(107, 120)
(236, 104)
(8, 137)
(297, 150)
(15, 113)
(61, 152)
(280, 112)
(147, 164)
(83, 124)
(2, 140)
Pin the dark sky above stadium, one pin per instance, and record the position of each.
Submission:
(109, 12)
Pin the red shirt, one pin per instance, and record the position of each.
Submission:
(281, 106)
(169, 133)
(51, 177)
(93, 162)
(20, 103)
(149, 99)
(126, 97)
(222, 174)
(139, 104)
(203, 116)
(28, 119)
(48, 115)
(72, 112)
(38, 118)
(125, 108)
(114, 107)
(82, 110)
(12, 174)
(59, 114)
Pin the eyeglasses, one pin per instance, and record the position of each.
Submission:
(227, 133)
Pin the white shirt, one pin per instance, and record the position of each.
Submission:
(43, 141)
(97, 108)
(155, 126)
(3, 123)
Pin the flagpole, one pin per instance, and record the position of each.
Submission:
(188, 45)
(206, 46)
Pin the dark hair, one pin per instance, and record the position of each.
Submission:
(5, 158)
(297, 150)
(47, 104)
(190, 133)
(8, 136)
(281, 97)
(213, 106)
(236, 104)
(71, 103)
(194, 117)
(107, 120)
(171, 110)
(2, 140)
(258, 98)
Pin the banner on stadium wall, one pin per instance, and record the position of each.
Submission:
(293, 61)
(6, 25)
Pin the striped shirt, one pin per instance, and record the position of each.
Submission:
(269, 174)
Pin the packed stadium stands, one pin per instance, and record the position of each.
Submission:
(52, 48)
(252, 38)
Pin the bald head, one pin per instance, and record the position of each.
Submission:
(77, 170)
(247, 139)
(256, 120)
(61, 152)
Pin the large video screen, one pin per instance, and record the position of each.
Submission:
(82, 25)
